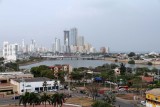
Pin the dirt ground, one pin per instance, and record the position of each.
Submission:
(36, 106)
(129, 96)
(85, 102)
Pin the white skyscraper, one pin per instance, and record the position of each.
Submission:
(73, 37)
(66, 42)
(80, 41)
(10, 51)
(33, 46)
(57, 45)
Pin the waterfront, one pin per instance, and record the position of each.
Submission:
(82, 63)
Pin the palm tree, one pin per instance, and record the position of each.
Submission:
(45, 85)
(58, 99)
(45, 98)
(24, 99)
(33, 99)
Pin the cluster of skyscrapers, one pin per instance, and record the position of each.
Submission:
(72, 43)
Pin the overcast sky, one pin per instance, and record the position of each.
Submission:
(123, 25)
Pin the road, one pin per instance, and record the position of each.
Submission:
(124, 103)
(7, 101)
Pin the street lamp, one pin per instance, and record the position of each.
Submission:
(23, 85)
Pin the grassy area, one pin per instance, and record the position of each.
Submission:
(85, 102)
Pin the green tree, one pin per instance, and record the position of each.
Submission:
(131, 54)
(45, 86)
(93, 89)
(149, 63)
(33, 99)
(12, 66)
(76, 75)
(45, 98)
(131, 62)
(57, 99)
(24, 99)
(122, 69)
(101, 104)
(109, 97)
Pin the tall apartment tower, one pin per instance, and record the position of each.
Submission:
(80, 41)
(66, 42)
(57, 45)
(10, 51)
(73, 37)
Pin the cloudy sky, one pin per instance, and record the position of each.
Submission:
(123, 25)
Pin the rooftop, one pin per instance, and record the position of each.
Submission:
(155, 92)
(37, 79)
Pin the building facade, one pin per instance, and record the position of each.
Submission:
(66, 42)
(153, 98)
(34, 84)
(10, 51)
(73, 36)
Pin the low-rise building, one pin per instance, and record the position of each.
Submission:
(153, 98)
(58, 68)
(35, 84)
(6, 76)
(148, 79)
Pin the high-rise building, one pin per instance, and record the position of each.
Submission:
(10, 51)
(57, 45)
(66, 42)
(80, 41)
(33, 46)
(1, 53)
(66, 38)
(103, 50)
(73, 37)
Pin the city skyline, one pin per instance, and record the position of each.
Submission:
(122, 25)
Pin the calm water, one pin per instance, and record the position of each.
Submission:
(82, 63)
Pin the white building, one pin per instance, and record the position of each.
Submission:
(34, 84)
(80, 41)
(57, 45)
(10, 51)
(73, 36)
(1, 53)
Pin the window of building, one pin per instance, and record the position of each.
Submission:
(49, 88)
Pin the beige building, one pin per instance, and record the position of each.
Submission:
(5, 77)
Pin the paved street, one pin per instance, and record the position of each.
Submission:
(7, 101)
(124, 103)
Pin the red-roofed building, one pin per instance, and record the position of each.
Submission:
(58, 68)
(148, 79)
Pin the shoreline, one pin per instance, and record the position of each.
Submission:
(142, 62)
(31, 62)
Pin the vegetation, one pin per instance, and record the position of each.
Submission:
(109, 98)
(33, 99)
(42, 71)
(45, 98)
(131, 54)
(30, 60)
(93, 90)
(122, 69)
(149, 63)
(131, 62)
(101, 104)
(57, 99)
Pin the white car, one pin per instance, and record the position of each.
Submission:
(143, 103)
